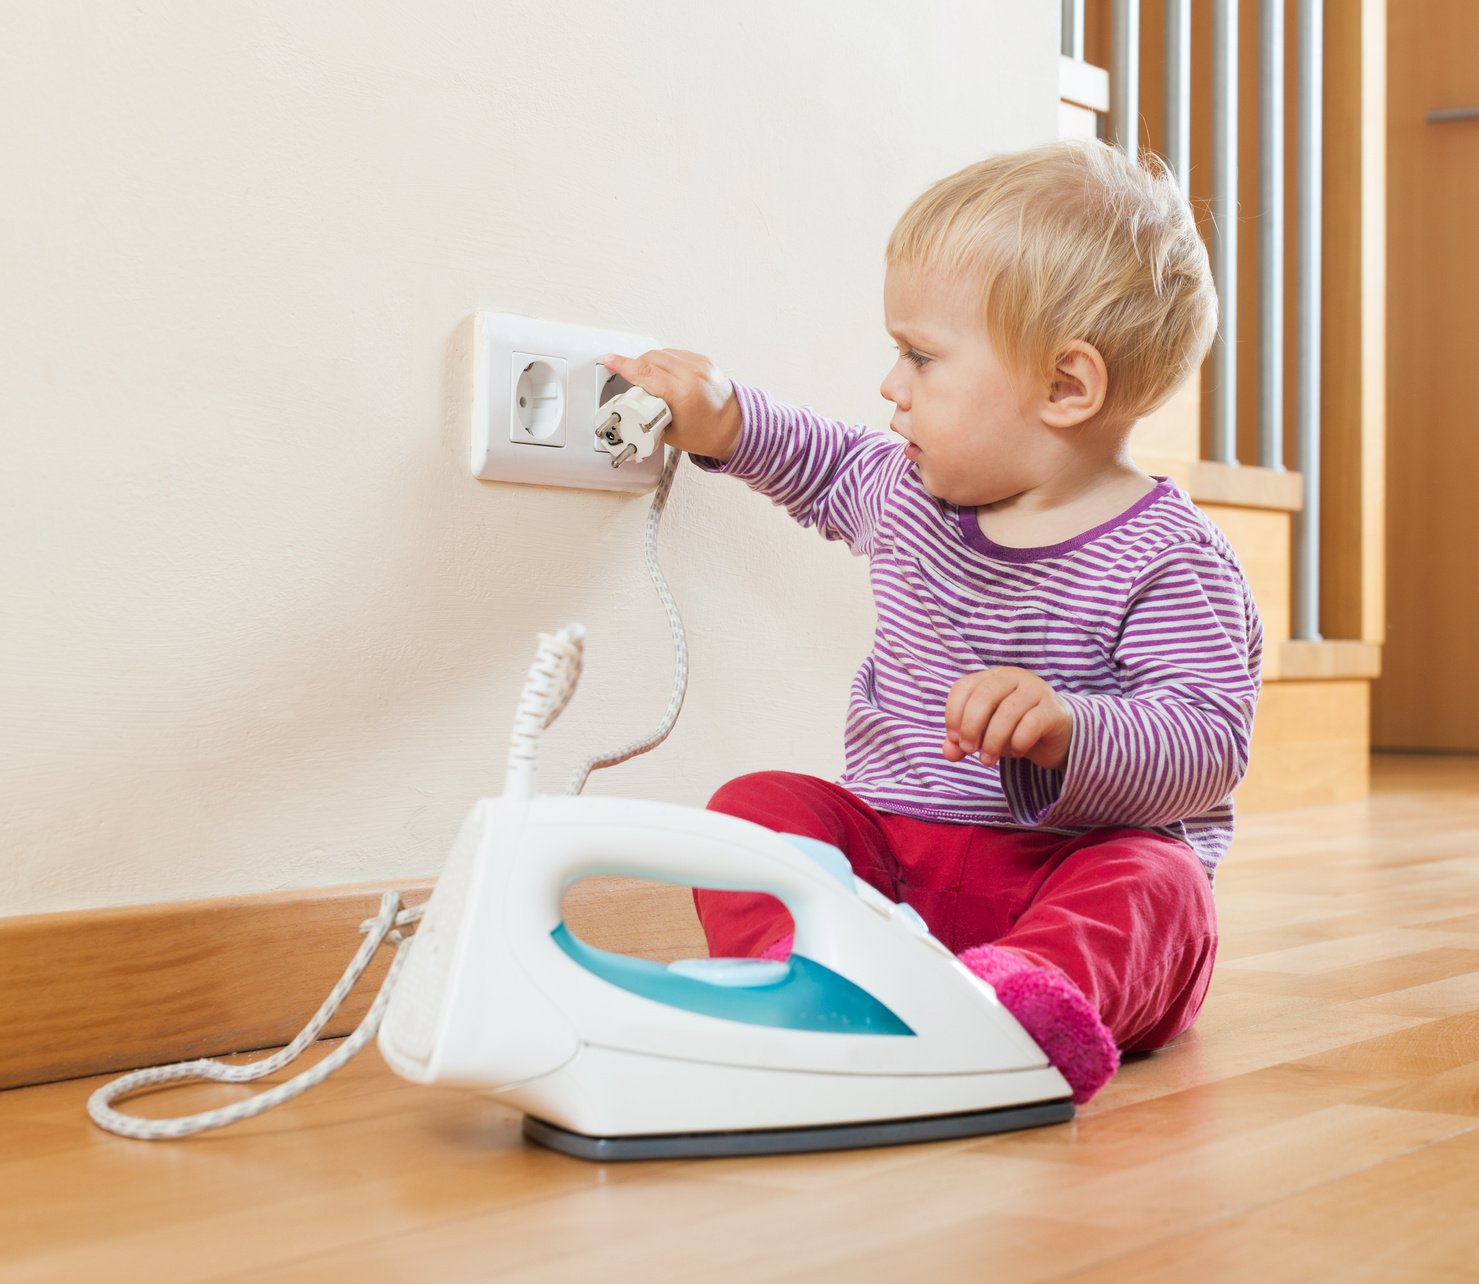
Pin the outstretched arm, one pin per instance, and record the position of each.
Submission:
(825, 473)
(706, 413)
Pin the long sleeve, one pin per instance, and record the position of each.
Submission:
(1144, 624)
(1175, 743)
(825, 473)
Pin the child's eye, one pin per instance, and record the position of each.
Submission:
(918, 358)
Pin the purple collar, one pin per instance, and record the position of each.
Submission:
(982, 543)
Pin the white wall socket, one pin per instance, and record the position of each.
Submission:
(536, 387)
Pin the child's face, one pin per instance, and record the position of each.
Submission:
(974, 431)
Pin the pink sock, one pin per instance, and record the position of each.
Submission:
(1061, 1021)
(1048, 1006)
(779, 951)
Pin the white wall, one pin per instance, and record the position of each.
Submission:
(260, 628)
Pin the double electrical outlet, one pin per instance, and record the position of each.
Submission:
(536, 388)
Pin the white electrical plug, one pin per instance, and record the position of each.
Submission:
(630, 425)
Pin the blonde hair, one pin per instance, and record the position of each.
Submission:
(1072, 241)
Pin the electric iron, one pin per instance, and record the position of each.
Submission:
(871, 1033)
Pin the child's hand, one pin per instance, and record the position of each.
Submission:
(1007, 713)
(706, 413)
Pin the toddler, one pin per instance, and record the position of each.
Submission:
(1043, 741)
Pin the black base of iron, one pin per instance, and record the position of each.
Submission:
(791, 1141)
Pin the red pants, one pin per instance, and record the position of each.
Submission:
(1126, 915)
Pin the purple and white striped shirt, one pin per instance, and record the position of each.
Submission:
(1144, 625)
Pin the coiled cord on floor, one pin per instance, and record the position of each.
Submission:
(378, 931)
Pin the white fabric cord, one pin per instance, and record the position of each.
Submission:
(680, 642)
(379, 930)
(547, 689)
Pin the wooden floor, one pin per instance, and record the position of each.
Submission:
(1320, 1123)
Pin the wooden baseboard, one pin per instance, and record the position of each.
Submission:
(115, 989)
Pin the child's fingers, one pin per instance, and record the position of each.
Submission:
(1031, 728)
(1044, 734)
(1001, 712)
(1026, 731)
(618, 364)
(654, 372)
(955, 703)
(953, 752)
(977, 710)
(1001, 733)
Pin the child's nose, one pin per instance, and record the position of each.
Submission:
(895, 389)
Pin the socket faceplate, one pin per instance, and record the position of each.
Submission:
(503, 449)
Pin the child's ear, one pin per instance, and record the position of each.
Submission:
(1079, 384)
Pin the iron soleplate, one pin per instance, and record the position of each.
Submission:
(791, 1141)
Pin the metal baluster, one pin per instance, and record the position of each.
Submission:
(1225, 229)
(1124, 76)
(1271, 233)
(1073, 29)
(1176, 146)
(1307, 320)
